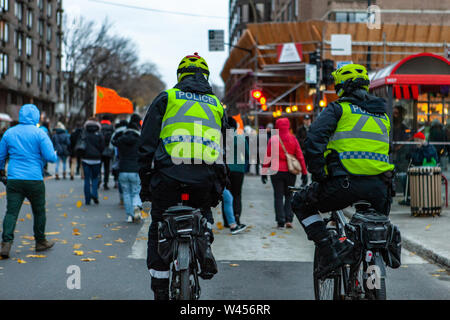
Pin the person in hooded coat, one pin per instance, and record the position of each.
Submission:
(61, 142)
(128, 146)
(28, 149)
(283, 179)
(92, 159)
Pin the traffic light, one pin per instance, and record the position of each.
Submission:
(327, 69)
(313, 58)
(256, 94)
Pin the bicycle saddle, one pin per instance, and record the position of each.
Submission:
(177, 210)
(363, 206)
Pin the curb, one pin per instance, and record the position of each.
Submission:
(418, 248)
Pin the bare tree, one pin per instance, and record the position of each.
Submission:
(95, 56)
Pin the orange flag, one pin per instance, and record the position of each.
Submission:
(240, 129)
(108, 101)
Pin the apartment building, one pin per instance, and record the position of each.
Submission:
(30, 54)
(391, 11)
(243, 12)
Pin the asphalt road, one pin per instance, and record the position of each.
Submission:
(119, 269)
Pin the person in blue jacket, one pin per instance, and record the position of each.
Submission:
(27, 147)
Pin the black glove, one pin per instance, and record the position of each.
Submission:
(145, 194)
(264, 179)
(319, 176)
(304, 179)
(3, 177)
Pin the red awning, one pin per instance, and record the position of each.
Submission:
(406, 75)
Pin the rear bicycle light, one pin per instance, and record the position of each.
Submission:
(185, 196)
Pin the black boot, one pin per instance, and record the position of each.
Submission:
(160, 288)
(161, 294)
(332, 253)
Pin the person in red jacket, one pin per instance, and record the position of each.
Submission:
(283, 178)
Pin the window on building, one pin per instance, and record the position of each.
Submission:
(30, 19)
(4, 5)
(3, 64)
(18, 41)
(18, 10)
(39, 79)
(41, 28)
(4, 31)
(59, 18)
(49, 9)
(18, 70)
(41, 4)
(341, 16)
(290, 12)
(360, 16)
(260, 11)
(40, 53)
(48, 58)
(49, 33)
(48, 82)
(29, 73)
(245, 15)
(29, 46)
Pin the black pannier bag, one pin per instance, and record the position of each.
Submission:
(195, 224)
(377, 232)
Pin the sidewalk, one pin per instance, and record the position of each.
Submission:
(428, 237)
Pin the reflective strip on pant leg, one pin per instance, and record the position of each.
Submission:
(159, 274)
(310, 220)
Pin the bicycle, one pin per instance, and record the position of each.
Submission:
(179, 233)
(363, 275)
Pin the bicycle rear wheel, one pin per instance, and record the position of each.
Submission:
(328, 288)
(185, 285)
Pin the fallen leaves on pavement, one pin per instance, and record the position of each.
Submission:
(79, 204)
(234, 265)
(28, 215)
(108, 244)
(36, 256)
(76, 232)
(112, 257)
(52, 233)
(21, 261)
(119, 240)
(87, 259)
(78, 252)
(219, 225)
(77, 246)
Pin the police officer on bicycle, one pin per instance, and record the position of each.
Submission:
(347, 153)
(180, 142)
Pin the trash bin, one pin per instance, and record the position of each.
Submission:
(425, 187)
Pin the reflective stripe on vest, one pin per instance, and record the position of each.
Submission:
(191, 126)
(362, 141)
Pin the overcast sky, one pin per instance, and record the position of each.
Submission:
(163, 38)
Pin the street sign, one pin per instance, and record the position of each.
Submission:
(311, 73)
(342, 63)
(341, 44)
(289, 52)
(216, 40)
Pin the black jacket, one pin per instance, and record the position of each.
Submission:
(151, 146)
(128, 145)
(323, 128)
(95, 143)
(75, 135)
(107, 132)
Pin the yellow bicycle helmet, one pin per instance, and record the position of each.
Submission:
(192, 64)
(350, 77)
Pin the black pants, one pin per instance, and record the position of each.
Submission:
(106, 161)
(166, 192)
(280, 182)
(335, 194)
(237, 180)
